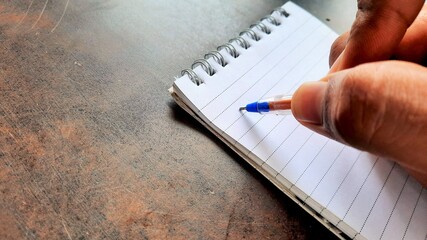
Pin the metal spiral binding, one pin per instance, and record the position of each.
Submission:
(217, 56)
(251, 33)
(231, 50)
(281, 11)
(271, 20)
(261, 26)
(205, 65)
(192, 75)
(241, 41)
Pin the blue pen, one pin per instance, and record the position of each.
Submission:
(278, 105)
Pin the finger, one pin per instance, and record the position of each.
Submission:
(378, 107)
(377, 31)
(413, 46)
(337, 48)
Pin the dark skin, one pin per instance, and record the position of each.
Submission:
(375, 96)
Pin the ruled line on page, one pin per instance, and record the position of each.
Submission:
(327, 171)
(344, 179)
(302, 79)
(394, 207)
(413, 214)
(338, 204)
(311, 161)
(317, 169)
(299, 149)
(262, 120)
(283, 42)
(291, 60)
(376, 222)
(361, 187)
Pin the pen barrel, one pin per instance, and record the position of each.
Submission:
(284, 104)
(280, 105)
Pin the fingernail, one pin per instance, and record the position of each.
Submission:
(307, 102)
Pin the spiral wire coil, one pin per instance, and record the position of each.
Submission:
(230, 49)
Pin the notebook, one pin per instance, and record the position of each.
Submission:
(353, 193)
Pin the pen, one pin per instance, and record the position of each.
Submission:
(280, 104)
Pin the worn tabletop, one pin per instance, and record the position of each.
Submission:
(92, 145)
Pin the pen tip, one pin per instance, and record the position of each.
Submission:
(242, 108)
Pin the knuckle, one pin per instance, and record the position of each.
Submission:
(357, 115)
(379, 107)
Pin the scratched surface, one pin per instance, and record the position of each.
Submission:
(91, 144)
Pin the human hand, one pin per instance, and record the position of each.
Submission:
(378, 106)
(382, 29)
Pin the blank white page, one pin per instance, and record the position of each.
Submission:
(361, 194)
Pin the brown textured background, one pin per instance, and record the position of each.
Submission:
(93, 147)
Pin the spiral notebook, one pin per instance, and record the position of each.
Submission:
(353, 193)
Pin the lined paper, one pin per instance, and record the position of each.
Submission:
(362, 195)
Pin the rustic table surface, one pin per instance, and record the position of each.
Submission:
(92, 145)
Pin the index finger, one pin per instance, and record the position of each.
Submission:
(378, 29)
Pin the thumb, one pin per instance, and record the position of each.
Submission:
(377, 107)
